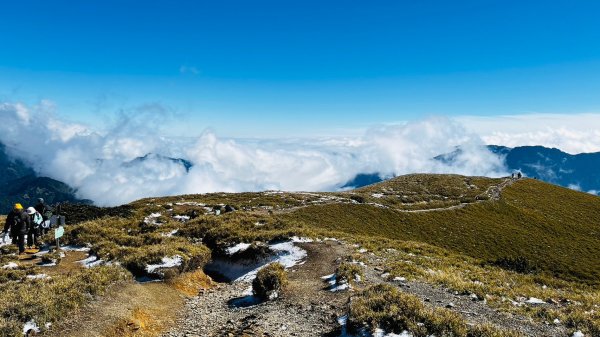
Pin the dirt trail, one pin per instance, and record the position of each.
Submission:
(306, 308)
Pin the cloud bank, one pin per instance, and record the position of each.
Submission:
(575, 133)
(103, 167)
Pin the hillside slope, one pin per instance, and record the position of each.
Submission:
(554, 228)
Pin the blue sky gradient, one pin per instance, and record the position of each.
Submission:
(277, 68)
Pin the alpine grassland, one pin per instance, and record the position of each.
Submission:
(502, 241)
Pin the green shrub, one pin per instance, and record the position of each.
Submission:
(269, 281)
(347, 272)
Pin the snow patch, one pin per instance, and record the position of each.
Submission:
(578, 333)
(30, 326)
(91, 261)
(181, 218)
(240, 247)
(533, 300)
(167, 262)
(296, 239)
(151, 219)
(377, 195)
(10, 265)
(382, 333)
(169, 234)
(71, 248)
(38, 277)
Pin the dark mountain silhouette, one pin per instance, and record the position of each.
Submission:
(19, 183)
(183, 162)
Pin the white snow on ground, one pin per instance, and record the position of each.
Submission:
(296, 239)
(91, 261)
(377, 195)
(399, 279)
(533, 300)
(240, 247)
(49, 264)
(340, 287)
(181, 218)
(190, 203)
(362, 250)
(30, 326)
(169, 234)
(286, 253)
(71, 248)
(37, 276)
(10, 265)
(5, 240)
(151, 219)
(333, 283)
(382, 333)
(578, 333)
(167, 262)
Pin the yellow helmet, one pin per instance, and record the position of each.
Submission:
(18, 206)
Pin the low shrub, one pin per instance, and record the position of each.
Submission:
(269, 281)
(347, 272)
(518, 264)
(385, 306)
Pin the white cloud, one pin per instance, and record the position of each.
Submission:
(572, 133)
(100, 165)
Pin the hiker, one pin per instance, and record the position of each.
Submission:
(44, 209)
(35, 227)
(19, 223)
(519, 175)
(46, 212)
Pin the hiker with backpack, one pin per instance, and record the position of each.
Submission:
(35, 227)
(18, 222)
(46, 212)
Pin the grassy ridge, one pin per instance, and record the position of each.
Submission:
(555, 228)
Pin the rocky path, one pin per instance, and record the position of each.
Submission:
(308, 308)
(472, 309)
(305, 309)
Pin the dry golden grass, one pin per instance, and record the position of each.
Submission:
(191, 283)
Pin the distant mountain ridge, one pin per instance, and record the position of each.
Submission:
(19, 183)
(552, 165)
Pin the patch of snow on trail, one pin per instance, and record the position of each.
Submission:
(71, 248)
(377, 195)
(286, 253)
(578, 333)
(382, 333)
(167, 262)
(296, 239)
(240, 247)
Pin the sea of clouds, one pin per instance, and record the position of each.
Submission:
(102, 165)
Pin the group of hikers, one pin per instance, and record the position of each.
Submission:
(30, 223)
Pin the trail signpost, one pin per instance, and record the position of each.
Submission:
(58, 233)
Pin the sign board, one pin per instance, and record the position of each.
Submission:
(59, 232)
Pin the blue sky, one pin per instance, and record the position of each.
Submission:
(277, 68)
